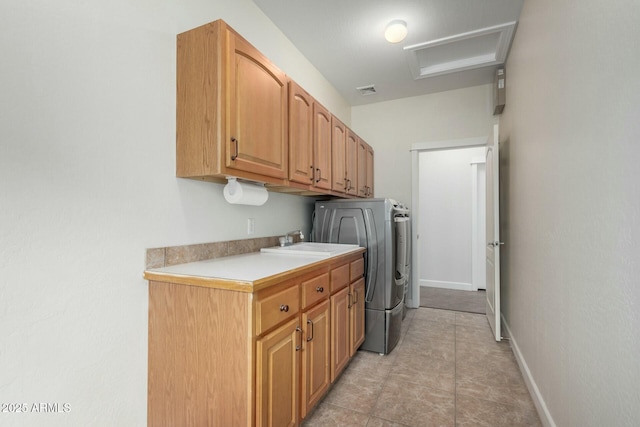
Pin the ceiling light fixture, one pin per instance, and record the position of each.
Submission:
(396, 31)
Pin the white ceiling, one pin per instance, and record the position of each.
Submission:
(344, 40)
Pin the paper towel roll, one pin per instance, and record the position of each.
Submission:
(244, 193)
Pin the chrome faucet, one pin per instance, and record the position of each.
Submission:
(287, 240)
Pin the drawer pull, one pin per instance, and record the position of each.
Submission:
(310, 323)
(235, 141)
(320, 289)
(284, 308)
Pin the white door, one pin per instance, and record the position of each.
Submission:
(493, 233)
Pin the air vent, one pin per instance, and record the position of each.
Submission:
(366, 90)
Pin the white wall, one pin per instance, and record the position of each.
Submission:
(446, 217)
(87, 182)
(570, 144)
(392, 127)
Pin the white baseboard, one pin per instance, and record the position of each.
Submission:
(541, 406)
(447, 285)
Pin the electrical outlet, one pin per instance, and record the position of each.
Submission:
(251, 225)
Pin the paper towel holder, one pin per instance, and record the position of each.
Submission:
(249, 192)
(232, 179)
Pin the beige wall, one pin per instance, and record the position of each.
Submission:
(570, 145)
(87, 183)
(392, 127)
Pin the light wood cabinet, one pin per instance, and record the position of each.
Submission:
(339, 332)
(347, 313)
(260, 357)
(344, 154)
(309, 140)
(238, 115)
(338, 150)
(365, 169)
(321, 147)
(300, 135)
(351, 164)
(356, 313)
(232, 108)
(369, 174)
(277, 376)
(316, 355)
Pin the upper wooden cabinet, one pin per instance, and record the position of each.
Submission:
(232, 108)
(321, 147)
(238, 115)
(309, 140)
(365, 169)
(338, 150)
(369, 173)
(351, 163)
(300, 135)
(362, 168)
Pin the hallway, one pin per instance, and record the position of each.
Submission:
(446, 371)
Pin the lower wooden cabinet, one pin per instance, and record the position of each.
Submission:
(340, 332)
(347, 314)
(264, 358)
(316, 355)
(356, 313)
(277, 376)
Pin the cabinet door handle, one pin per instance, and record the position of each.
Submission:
(320, 289)
(350, 300)
(310, 323)
(319, 175)
(312, 174)
(235, 141)
(299, 346)
(284, 308)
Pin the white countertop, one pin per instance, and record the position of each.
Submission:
(247, 268)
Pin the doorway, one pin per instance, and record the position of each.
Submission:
(449, 216)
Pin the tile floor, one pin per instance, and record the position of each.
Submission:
(451, 299)
(446, 371)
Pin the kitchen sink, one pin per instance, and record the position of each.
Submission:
(311, 248)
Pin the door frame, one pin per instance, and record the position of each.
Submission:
(413, 296)
(478, 273)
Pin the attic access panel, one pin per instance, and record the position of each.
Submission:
(475, 49)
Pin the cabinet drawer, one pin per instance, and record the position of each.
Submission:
(315, 289)
(274, 309)
(339, 277)
(357, 269)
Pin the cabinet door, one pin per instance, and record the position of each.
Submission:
(351, 163)
(339, 332)
(356, 313)
(369, 175)
(316, 355)
(277, 370)
(321, 147)
(362, 168)
(257, 91)
(300, 135)
(338, 151)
